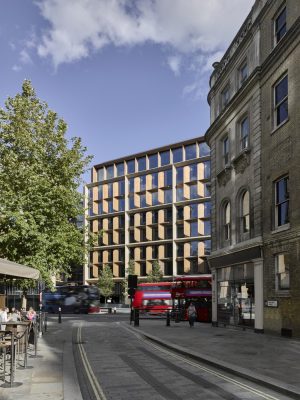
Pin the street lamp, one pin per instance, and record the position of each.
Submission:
(14, 291)
(40, 288)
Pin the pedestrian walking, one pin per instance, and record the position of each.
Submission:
(191, 314)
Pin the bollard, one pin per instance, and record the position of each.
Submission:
(115, 310)
(45, 322)
(59, 315)
(136, 317)
(12, 359)
(177, 315)
(168, 319)
(40, 323)
(109, 310)
(131, 315)
(26, 346)
(35, 333)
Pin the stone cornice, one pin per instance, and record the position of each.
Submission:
(237, 254)
(233, 103)
(244, 33)
(253, 242)
(239, 38)
(291, 38)
(292, 235)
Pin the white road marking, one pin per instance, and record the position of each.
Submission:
(208, 370)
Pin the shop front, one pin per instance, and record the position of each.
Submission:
(237, 288)
(235, 295)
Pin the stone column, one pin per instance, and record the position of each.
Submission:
(174, 219)
(86, 234)
(259, 295)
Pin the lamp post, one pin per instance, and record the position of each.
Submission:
(40, 306)
(14, 291)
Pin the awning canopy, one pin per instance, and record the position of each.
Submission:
(10, 268)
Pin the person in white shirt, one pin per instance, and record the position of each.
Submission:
(192, 314)
(3, 318)
(14, 315)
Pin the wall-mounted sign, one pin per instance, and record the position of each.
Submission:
(271, 303)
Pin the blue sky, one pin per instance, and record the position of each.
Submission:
(126, 75)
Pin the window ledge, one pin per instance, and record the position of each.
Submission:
(224, 175)
(281, 229)
(242, 154)
(280, 126)
(241, 162)
(244, 236)
(283, 293)
(276, 43)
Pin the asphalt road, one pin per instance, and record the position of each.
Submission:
(114, 363)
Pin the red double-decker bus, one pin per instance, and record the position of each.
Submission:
(153, 298)
(196, 289)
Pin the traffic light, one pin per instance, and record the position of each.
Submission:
(132, 281)
(132, 285)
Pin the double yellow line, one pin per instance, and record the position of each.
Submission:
(98, 392)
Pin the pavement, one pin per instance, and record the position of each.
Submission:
(270, 360)
(266, 359)
(51, 375)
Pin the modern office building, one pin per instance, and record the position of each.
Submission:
(151, 206)
(255, 172)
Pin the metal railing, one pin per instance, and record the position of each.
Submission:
(14, 346)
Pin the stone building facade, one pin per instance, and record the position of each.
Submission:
(280, 121)
(254, 158)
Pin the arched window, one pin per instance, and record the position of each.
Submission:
(245, 212)
(226, 221)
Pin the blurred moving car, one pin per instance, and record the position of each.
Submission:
(94, 307)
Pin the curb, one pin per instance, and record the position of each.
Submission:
(265, 381)
(71, 388)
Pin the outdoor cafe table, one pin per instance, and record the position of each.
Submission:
(20, 333)
(13, 325)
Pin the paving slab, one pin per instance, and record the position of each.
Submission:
(266, 359)
(52, 374)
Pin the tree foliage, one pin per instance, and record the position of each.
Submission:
(40, 171)
(156, 274)
(105, 282)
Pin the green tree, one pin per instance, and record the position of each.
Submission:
(40, 172)
(156, 274)
(106, 282)
(130, 270)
